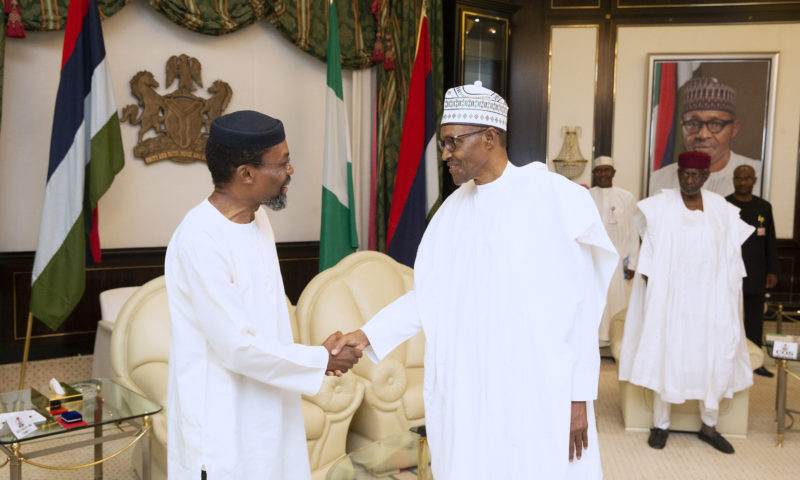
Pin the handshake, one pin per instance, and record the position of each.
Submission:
(344, 351)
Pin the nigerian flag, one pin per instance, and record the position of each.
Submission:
(338, 236)
(85, 155)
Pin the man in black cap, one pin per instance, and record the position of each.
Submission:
(759, 252)
(235, 375)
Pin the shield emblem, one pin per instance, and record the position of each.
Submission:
(183, 118)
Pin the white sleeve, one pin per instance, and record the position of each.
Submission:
(644, 262)
(599, 261)
(396, 323)
(632, 237)
(220, 316)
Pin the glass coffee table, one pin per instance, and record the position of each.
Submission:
(103, 403)
(396, 457)
(785, 309)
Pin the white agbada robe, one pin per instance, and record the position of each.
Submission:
(510, 280)
(684, 336)
(616, 207)
(235, 375)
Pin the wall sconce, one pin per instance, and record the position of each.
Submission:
(570, 161)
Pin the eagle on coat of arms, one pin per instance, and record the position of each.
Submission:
(177, 123)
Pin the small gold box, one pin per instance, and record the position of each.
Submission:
(46, 400)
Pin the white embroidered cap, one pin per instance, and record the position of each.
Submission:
(474, 105)
(602, 160)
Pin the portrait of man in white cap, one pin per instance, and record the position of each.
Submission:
(708, 124)
(510, 281)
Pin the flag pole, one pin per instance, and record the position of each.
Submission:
(26, 351)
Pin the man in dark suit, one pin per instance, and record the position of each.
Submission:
(759, 253)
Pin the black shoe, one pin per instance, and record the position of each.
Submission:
(717, 441)
(658, 438)
(763, 372)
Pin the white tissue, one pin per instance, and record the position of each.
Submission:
(56, 387)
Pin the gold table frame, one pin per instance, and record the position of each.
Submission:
(783, 370)
(140, 424)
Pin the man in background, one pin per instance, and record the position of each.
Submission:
(616, 207)
(235, 376)
(708, 124)
(684, 337)
(759, 252)
(510, 281)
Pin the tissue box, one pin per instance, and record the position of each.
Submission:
(43, 398)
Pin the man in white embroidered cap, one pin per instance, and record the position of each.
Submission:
(510, 282)
(235, 375)
(616, 207)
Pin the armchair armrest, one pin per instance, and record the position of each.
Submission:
(387, 379)
(336, 395)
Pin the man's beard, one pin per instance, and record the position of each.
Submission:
(276, 203)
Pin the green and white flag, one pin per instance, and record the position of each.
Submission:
(338, 237)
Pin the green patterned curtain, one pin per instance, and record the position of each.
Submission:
(305, 23)
(401, 22)
(302, 22)
(52, 14)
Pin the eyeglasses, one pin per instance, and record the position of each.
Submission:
(286, 165)
(714, 126)
(449, 143)
(695, 175)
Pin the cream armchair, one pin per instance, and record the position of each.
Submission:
(343, 298)
(327, 414)
(637, 402)
(140, 356)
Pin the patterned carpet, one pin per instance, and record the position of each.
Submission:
(625, 455)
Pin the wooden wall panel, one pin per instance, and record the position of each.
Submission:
(299, 262)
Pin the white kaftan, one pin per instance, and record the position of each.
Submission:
(684, 335)
(509, 284)
(235, 375)
(720, 182)
(616, 207)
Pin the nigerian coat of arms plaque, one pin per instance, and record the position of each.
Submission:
(174, 126)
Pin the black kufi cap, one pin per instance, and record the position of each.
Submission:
(247, 129)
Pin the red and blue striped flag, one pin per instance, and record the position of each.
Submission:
(664, 113)
(85, 155)
(416, 186)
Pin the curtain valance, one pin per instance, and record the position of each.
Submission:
(302, 22)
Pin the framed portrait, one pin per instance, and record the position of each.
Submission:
(720, 104)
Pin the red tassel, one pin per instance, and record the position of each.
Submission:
(377, 52)
(388, 62)
(14, 28)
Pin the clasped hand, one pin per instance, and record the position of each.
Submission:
(343, 353)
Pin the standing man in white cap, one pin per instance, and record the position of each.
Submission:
(616, 207)
(235, 374)
(709, 125)
(510, 282)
